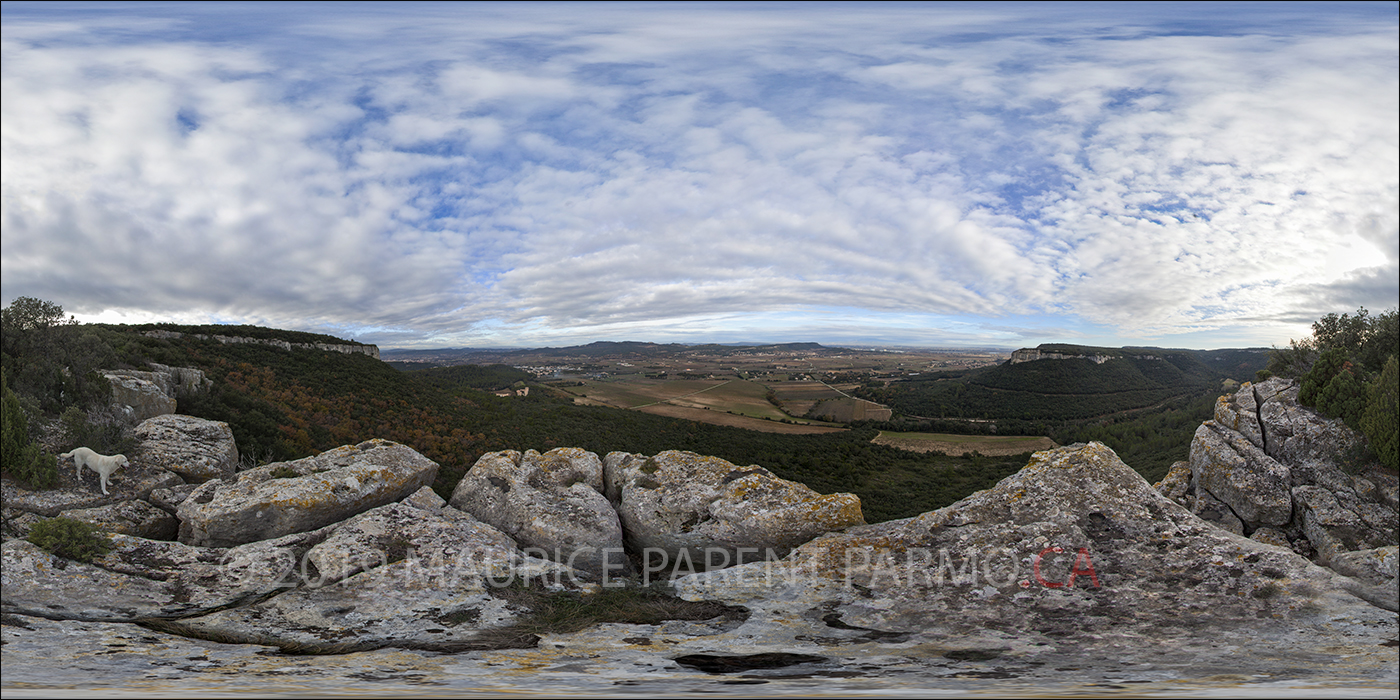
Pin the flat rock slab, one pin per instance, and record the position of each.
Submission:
(412, 602)
(146, 579)
(398, 575)
(304, 495)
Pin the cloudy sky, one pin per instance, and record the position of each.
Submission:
(1184, 175)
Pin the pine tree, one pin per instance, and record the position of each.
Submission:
(1381, 420)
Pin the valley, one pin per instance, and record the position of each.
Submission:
(794, 388)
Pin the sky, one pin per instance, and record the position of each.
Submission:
(537, 174)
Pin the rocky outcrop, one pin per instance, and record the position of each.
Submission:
(707, 512)
(1033, 354)
(411, 573)
(141, 579)
(196, 449)
(395, 575)
(138, 396)
(287, 497)
(1073, 557)
(1267, 467)
(1071, 572)
(144, 395)
(1230, 468)
(182, 382)
(552, 502)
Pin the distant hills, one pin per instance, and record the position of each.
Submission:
(600, 350)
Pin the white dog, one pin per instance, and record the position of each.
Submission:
(102, 464)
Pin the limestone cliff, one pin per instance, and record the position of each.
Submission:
(371, 350)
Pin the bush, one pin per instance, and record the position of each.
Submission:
(104, 430)
(1344, 397)
(1323, 371)
(69, 538)
(18, 456)
(1380, 421)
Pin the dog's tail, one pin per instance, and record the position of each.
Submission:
(68, 454)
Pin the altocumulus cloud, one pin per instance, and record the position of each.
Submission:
(525, 174)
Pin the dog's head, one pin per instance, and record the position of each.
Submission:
(120, 462)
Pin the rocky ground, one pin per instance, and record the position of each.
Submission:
(343, 573)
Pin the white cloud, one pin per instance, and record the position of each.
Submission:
(473, 169)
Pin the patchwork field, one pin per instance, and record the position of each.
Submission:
(635, 392)
(990, 445)
(799, 397)
(734, 402)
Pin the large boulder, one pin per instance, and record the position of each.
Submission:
(195, 448)
(287, 497)
(703, 512)
(1075, 560)
(552, 503)
(1239, 474)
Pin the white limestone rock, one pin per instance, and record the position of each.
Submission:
(551, 503)
(260, 504)
(196, 449)
(706, 509)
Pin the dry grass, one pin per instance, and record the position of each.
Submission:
(700, 415)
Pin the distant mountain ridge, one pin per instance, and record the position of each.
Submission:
(628, 350)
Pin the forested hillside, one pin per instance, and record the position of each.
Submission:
(1145, 403)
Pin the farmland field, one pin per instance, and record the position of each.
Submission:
(991, 445)
(799, 397)
(770, 388)
(700, 415)
(734, 402)
(637, 392)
